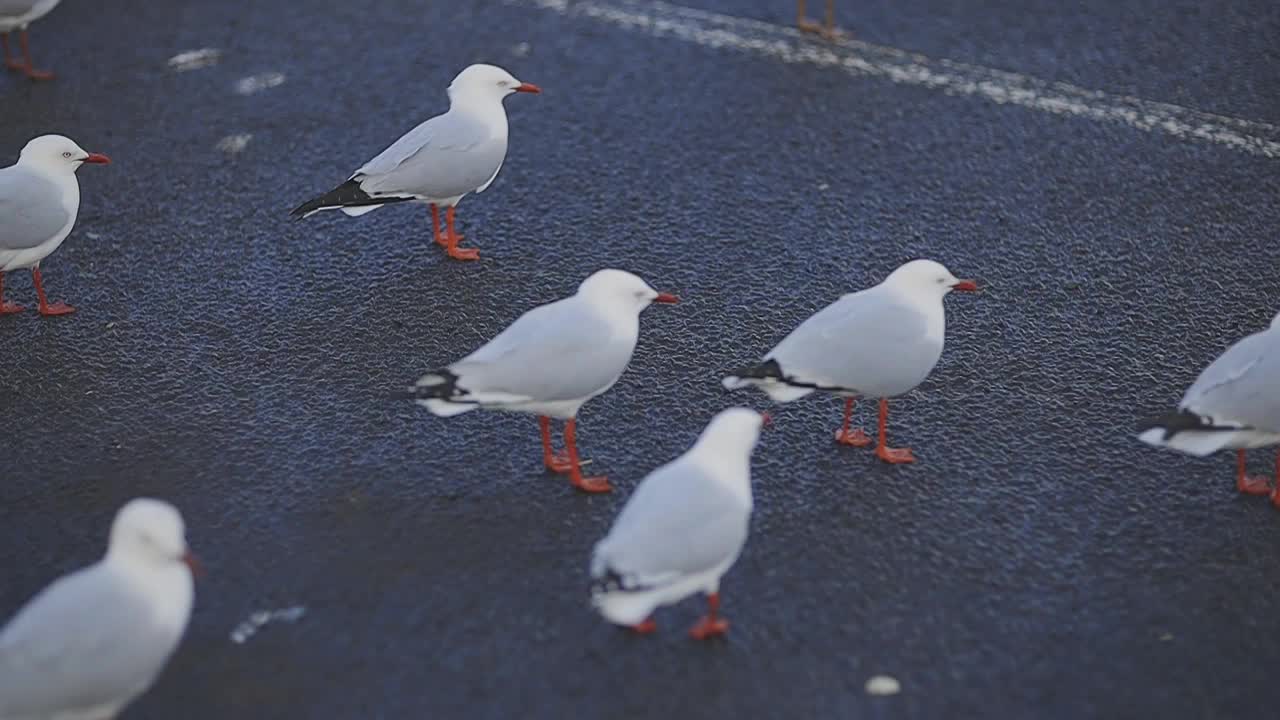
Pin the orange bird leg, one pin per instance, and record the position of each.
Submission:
(45, 308)
(7, 308)
(856, 438)
(435, 226)
(1275, 494)
(1250, 484)
(712, 625)
(554, 462)
(8, 62)
(893, 456)
(827, 29)
(453, 238)
(599, 484)
(644, 628)
(27, 69)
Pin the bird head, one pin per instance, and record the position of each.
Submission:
(58, 153)
(488, 82)
(926, 278)
(150, 532)
(620, 288)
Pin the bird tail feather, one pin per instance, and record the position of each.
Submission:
(349, 197)
(1189, 432)
(767, 376)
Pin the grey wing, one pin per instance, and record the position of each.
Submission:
(559, 351)
(400, 150)
(31, 209)
(1242, 384)
(864, 342)
(448, 155)
(74, 646)
(678, 522)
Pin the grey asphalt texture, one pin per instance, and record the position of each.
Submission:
(1036, 562)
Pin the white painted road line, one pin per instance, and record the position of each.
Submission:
(663, 20)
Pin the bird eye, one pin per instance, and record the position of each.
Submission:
(66, 154)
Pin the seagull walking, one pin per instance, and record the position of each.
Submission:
(17, 15)
(876, 343)
(93, 641)
(1233, 405)
(39, 200)
(549, 362)
(438, 162)
(682, 530)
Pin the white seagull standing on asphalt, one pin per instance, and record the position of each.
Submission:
(682, 529)
(17, 15)
(440, 161)
(39, 200)
(549, 362)
(93, 641)
(876, 343)
(1233, 405)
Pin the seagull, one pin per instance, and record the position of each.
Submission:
(440, 161)
(94, 640)
(682, 529)
(549, 362)
(39, 199)
(876, 343)
(17, 15)
(1233, 405)
(827, 29)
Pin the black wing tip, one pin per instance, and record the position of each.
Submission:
(614, 582)
(767, 370)
(444, 387)
(1181, 421)
(348, 194)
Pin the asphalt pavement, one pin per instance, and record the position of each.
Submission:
(1036, 562)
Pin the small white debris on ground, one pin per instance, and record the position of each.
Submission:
(251, 626)
(883, 685)
(93, 235)
(195, 59)
(520, 49)
(823, 186)
(234, 144)
(258, 83)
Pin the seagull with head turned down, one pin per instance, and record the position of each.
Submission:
(39, 201)
(1233, 405)
(17, 15)
(438, 162)
(681, 530)
(549, 362)
(93, 641)
(876, 343)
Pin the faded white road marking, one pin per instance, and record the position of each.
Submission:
(258, 83)
(256, 621)
(195, 59)
(660, 19)
(883, 685)
(234, 144)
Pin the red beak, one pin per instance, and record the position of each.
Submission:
(766, 419)
(666, 298)
(529, 88)
(193, 562)
(965, 286)
(97, 159)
